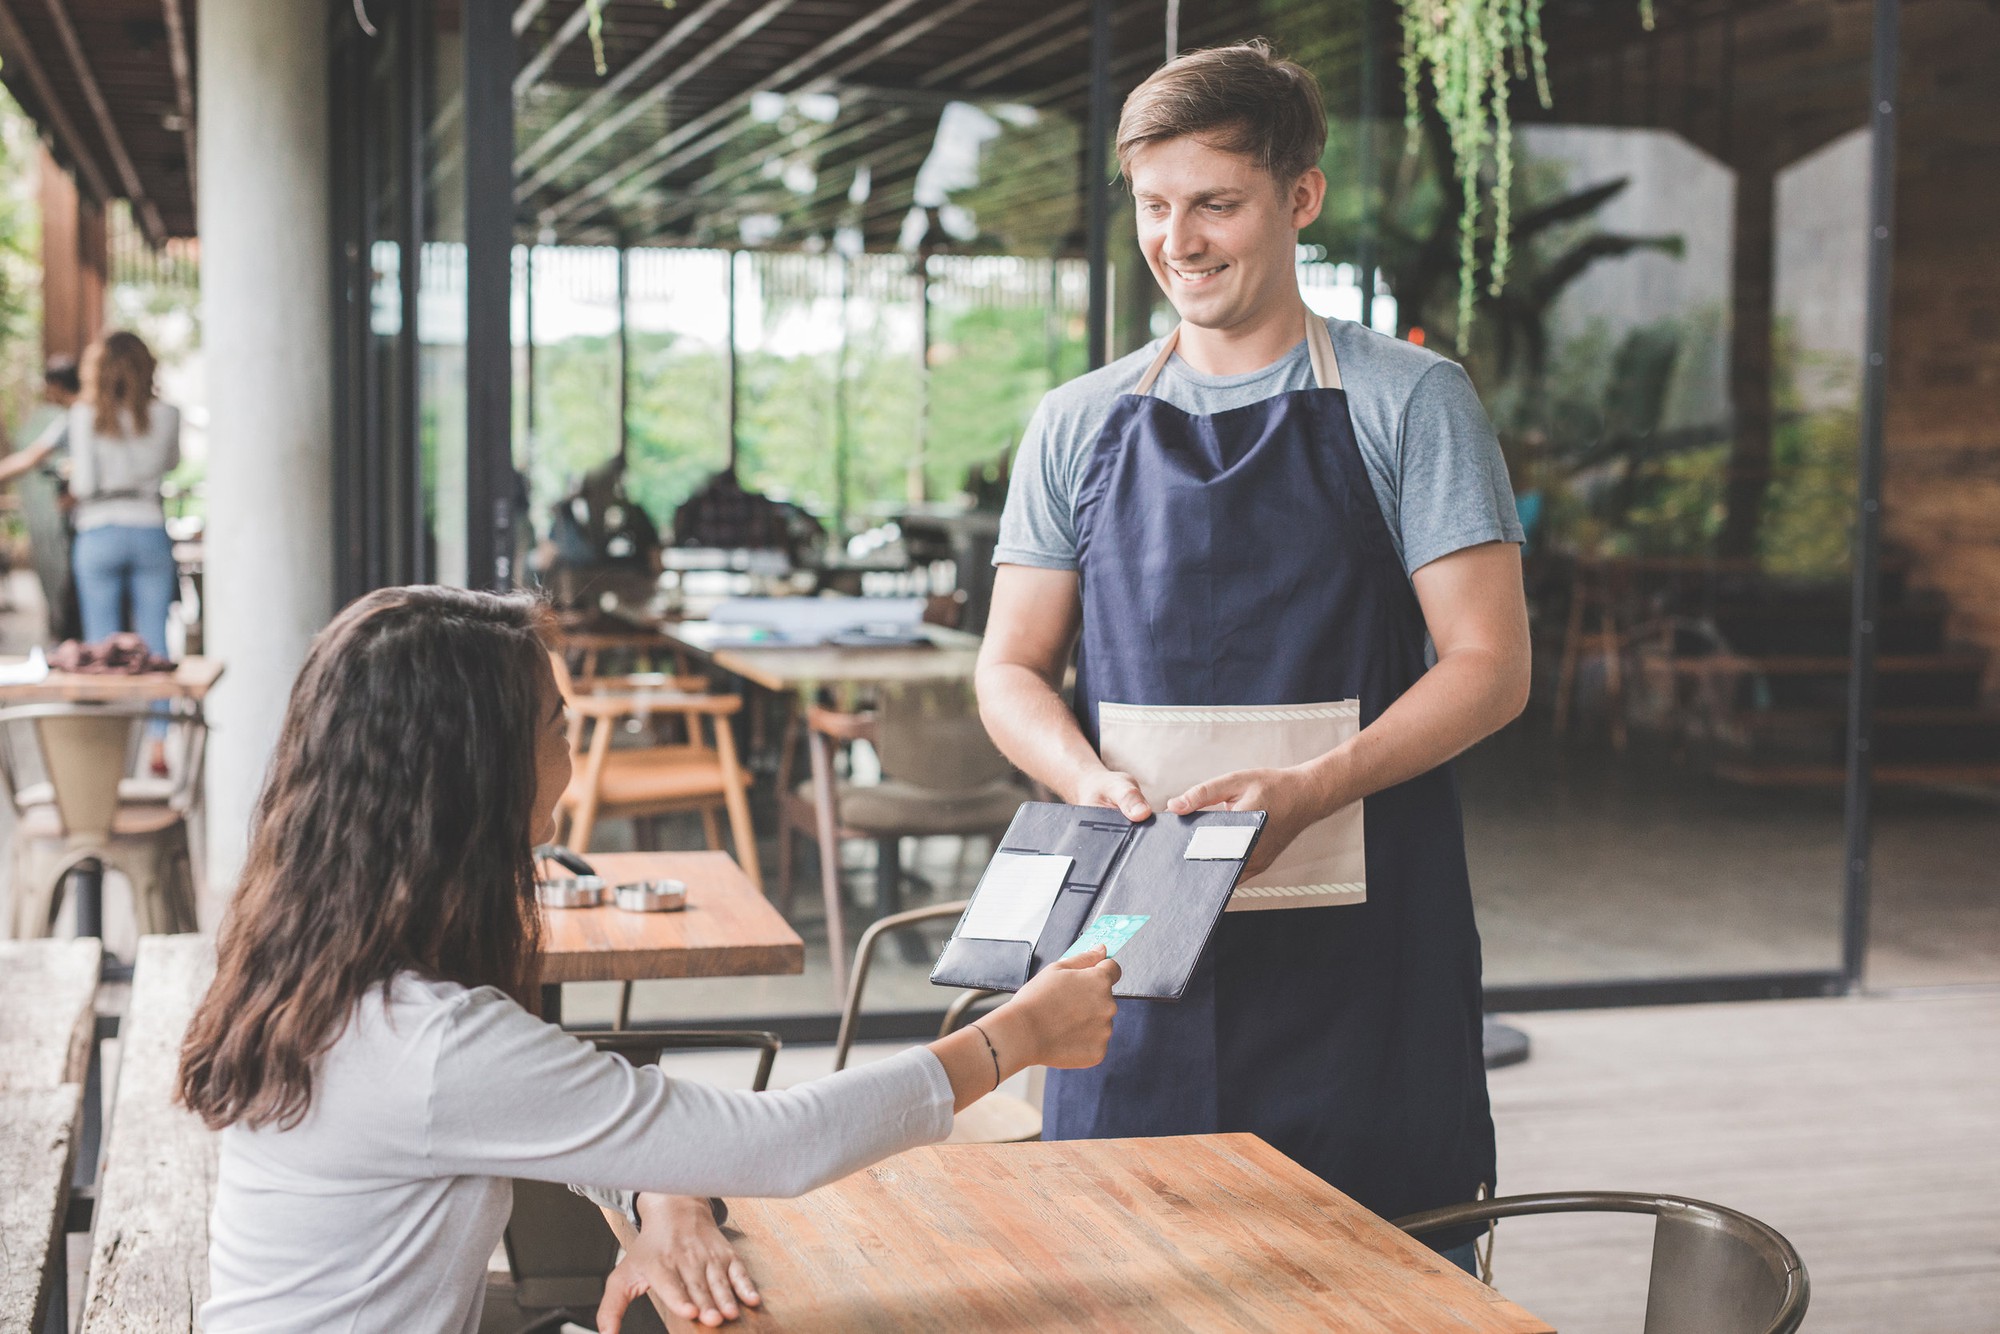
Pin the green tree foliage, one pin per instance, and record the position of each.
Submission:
(20, 268)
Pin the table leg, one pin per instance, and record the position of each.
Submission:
(86, 888)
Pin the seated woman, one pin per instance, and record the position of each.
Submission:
(369, 1049)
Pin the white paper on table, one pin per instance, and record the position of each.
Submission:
(1014, 896)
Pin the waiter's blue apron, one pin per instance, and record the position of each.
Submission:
(1241, 559)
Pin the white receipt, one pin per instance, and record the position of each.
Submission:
(1014, 897)
(1219, 843)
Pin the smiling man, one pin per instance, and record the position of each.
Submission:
(1290, 552)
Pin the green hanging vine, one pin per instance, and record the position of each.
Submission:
(1472, 49)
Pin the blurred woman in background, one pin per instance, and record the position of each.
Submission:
(122, 441)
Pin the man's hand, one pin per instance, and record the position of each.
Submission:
(1108, 787)
(1291, 798)
(683, 1257)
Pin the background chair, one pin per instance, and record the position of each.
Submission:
(941, 775)
(68, 769)
(640, 782)
(558, 1248)
(997, 1118)
(1715, 1271)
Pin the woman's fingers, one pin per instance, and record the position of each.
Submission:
(671, 1288)
(740, 1277)
(1090, 958)
(695, 1276)
(720, 1290)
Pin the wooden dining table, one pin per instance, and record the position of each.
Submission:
(1211, 1233)
(728, 928)
(191, 680)
(949, 655)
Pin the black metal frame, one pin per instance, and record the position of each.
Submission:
(490, 57)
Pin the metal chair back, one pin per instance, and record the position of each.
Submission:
(1715, 1270)
(864, 957)
(85, 751)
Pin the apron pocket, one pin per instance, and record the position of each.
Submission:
(1170, 749)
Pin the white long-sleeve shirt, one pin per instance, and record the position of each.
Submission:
(115, 477)
(379, 1210)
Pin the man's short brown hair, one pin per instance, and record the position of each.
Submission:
(1240, 99)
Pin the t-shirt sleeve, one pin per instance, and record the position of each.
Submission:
(1038, 524)
(514, 1096)
(1452, 488)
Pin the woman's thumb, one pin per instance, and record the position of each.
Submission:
(1090, 958)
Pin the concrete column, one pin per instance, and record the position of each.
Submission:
(267, 328)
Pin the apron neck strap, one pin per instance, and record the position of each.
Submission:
(1319, 346)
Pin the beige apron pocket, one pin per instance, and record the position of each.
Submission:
(1169, 750)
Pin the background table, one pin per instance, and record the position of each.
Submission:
(950, 656)
(728, 929)
(1209, 1232)
(191, 679)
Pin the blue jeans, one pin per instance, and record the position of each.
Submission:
(115, 564)
(1466, 1257)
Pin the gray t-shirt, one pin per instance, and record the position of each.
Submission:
(1428, 447)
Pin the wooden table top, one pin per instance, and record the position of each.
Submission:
(1208, 1232)
(950, 656)
(728, 929)
(191, 679)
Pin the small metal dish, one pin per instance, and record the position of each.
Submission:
(585, 891)
(652, 896)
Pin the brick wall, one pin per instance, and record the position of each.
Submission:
(1942, 466)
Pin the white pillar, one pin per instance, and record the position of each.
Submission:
(267, 330)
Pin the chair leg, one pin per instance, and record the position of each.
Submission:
(827, 822)
(783, 897)
(738, 802)
(711, 828)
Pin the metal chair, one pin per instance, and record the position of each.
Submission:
(1715, 1271)
(997, 1118)
(68, 769)
(558, 1249)
(941, 775)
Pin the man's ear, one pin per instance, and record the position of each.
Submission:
(1308, 196)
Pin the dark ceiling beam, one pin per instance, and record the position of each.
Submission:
(177, 52)
(538, 65)
(20, 53)
(642, 169)
(107, 126)
(655, 95)
(584, 111)
(1004, 42)
(526, 12)
(689, 200)
(824, 82)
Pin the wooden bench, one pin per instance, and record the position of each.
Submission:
(47, 991)
(149, 1248)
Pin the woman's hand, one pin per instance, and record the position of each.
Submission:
(1062, 1018)
(683, 1257)
(1291, 799)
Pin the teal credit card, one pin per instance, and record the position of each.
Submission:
(1110, 930)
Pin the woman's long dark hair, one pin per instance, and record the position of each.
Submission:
(394, 833)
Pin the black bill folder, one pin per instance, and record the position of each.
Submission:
(1151, 892)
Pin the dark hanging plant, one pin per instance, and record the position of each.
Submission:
(1472, 50)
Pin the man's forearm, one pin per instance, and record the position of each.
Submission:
(1027, 719)
(1465, 698)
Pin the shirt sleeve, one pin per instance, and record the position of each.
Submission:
(1452, 488)
(514, 1096)
(1038, 524)
(82, 454)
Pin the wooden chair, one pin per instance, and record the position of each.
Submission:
(997, 1118)
(640, 782)
(941, 775)
(68, 769)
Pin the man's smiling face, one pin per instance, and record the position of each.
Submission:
(1218, 232)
